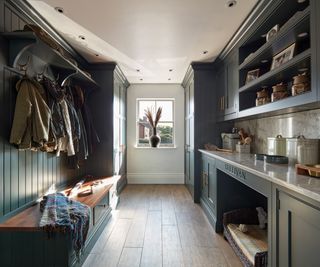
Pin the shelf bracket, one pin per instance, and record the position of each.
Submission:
(17, 49)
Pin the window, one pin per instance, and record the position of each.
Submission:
(165, 127)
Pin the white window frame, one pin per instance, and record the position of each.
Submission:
(173, 121)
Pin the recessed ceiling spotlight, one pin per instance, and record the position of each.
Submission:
(303, 34)
(205, 52)
(170, 70)
(59, 9)
(137, 70)
(141, 79)
(96, 55)
(231, 3)
(264, 60)
(82, 37)
(169, 79)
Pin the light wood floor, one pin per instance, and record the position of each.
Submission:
(159, 225)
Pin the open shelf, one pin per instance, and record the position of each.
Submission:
(287, 35)
(255, 53)
(289, 104)
(279, 74)
(24, 43)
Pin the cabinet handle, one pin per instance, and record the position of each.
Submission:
(204, 179)
(223, 104)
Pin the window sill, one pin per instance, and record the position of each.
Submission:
(155, 148)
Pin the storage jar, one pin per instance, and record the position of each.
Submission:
(293, 143)
(301, 84)
(229, 140)
(308, 154)
(277, 145)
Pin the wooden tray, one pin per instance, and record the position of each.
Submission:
(311, 170)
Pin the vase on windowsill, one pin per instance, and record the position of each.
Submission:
(154, 139)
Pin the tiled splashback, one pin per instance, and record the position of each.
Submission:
(289, 125)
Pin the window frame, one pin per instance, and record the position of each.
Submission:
(156, 99)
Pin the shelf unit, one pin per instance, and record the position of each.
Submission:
(24, 44)
(294, 20)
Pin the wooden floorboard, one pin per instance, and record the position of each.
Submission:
(160, 226)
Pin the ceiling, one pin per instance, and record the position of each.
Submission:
(152, 41)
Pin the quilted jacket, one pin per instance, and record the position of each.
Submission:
(32, 116)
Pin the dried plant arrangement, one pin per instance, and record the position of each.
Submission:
(149, 114)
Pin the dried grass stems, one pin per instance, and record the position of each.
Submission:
(149, 114)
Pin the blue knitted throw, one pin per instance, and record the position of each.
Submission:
(63, 215)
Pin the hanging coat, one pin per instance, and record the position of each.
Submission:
(31, 123)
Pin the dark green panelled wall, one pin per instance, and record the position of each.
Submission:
(24, 175)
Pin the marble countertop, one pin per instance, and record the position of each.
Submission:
(284, 175)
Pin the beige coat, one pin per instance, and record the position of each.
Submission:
(30, 128)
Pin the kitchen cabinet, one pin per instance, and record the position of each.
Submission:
(189, 133)
(209, 187)
(297, 231)
(255, 53)
(315, 17)
(221, 82)
(119, 129)
(232, 83)
(227, 86)
(200, 122)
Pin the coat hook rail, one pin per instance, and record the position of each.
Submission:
(68, 77)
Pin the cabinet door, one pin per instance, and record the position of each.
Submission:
(212, 184)
(189, 134)
(116, 128)
(298, 233)
(204, 177)
(231, 93)
(122, 131)
(221, 89)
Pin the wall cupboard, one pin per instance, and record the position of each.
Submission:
(297, 22)
(227, 86)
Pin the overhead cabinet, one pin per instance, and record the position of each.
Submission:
(280, 42)
(227, 86)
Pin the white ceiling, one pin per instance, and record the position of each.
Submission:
(146, 35)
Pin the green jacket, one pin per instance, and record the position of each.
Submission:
(31, 123)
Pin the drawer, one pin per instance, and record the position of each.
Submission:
(100, 209)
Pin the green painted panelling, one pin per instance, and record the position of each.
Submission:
(14, 189)
(24, 175)
(28, 177)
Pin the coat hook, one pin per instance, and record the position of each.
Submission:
(24, 67)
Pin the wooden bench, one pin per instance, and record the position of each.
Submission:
(21, 235)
